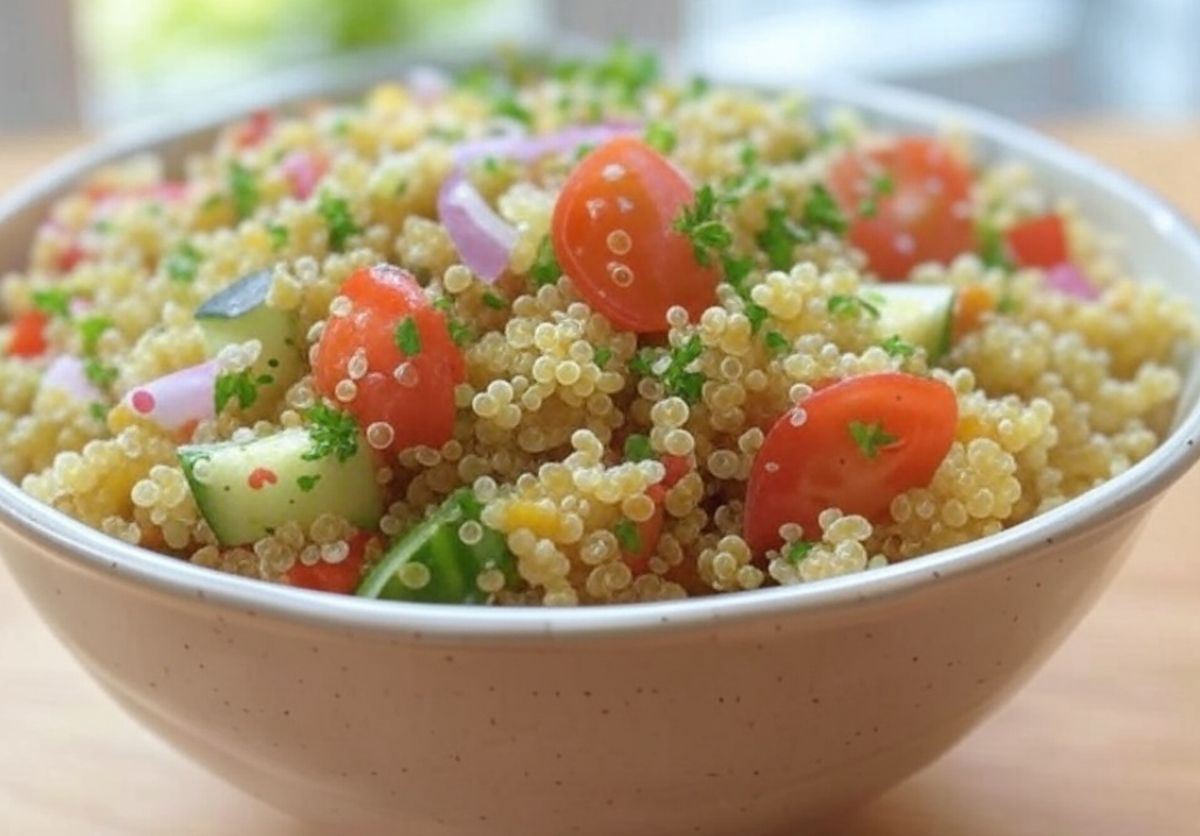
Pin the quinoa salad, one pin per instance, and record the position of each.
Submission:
(571, 334)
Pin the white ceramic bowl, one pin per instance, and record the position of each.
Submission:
(745, 713)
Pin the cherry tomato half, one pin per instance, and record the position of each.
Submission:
(28, 335)
(908, 203)
(863, 441)
(613, 235)
(333, 577)
(1039, 242)
(412, 364)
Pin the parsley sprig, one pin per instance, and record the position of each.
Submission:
(183, 262)
(53, 301)
(334, 433)
(882, 185)
(870, 437)
(407, 337)
(846, 305)
(896, 346)
(545, 269)
(675, 376)
(240, 386)
(337, 216)
(628, 536)
(637, 448)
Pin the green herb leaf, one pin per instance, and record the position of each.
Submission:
(307, 483)
(821, 211)
(407, 337)
(637, 448)
(697, 87)
(757, 315)
(661, 137)
(279, 236)
(748, 156)
(53, 301)
(545, 269)
(776, 342)
(795, 552)
(99, 373)
(993, 249)
(842, 304)
(882, 185)
(601, 355)
(244, 189)
(779, 238)
(870, 437)
(460, 332)
(494, 301)
(90, 330)
(700, 224)
(628, 536)
(334, 433)
(507, 105)
(183, 262)
(98, 411)
(897, 347)
(240, 385)
(338, 218)
(640, 363)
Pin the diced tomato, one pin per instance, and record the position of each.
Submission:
(413, 392)
(649, 531)
(908, 203)
(28, 335)
(254, 130)
(862, 442)
(341, 577)
(1039, 242)
(676, 466)
(70, 257)
(613, 235)
(304, 169)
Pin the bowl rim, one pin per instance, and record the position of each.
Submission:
(76, 542)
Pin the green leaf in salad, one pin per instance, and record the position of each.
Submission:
(334, 433)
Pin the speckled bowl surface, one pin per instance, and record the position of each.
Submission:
(748, 713)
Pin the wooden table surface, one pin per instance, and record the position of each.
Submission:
(1105, 740)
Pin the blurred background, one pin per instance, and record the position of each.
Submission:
(66, 64)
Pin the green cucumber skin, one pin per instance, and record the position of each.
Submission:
(239, 313)
(453, 566)
(239, 514)
(925, 317)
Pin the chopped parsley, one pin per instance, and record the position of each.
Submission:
(842, 304)
(244, 190)
(494, 301)
(628, 536)
(895, 346)
(661, 137)
(882, 185)
(99, 373)
(408, 337)
(748, 156)
(508, 106)
(279, 236)
(545, 269)
(795, 552)
(53, 301)
(700, 224)
(675, 377)
(627, 70)
(183, 262)
(336, 213)
(992, 248)
(334, 433)
(757, 315)
(90, 330)
(98, 411)
(779, 238)
(242, 386)
(870, 437)
(637, 448)
(307, 483)
(601, 356)
(821, 211)
(460, 332)
(776, 342)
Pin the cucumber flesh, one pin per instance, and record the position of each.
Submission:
(920, 314)
(240, 313)
(246, 490)
(450, 565)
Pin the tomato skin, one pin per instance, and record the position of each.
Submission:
(28, 335)
(420, 411)
(802, 470)
(625, 186)
(254, 130)
(925, 217)
(1039, 242)
(649, 532)
(341, 577)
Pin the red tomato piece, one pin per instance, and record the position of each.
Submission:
(28, 335)
(1039, 242)
(613, 235)
(341, 577)
(908, 203)
(413, 393)
(304, 169)
(254, 130)
(863, 441)
(649, 531)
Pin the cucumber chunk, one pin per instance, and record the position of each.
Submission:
(920, 314)
(449, 567)
(246, 490)
(240, 313)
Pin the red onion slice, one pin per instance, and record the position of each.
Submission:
(529, 148)
(69, 375)
(483, 239)
(177, 401)
(1069, 280)
(303, 169)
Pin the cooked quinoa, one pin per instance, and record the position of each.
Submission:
(565, 424)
